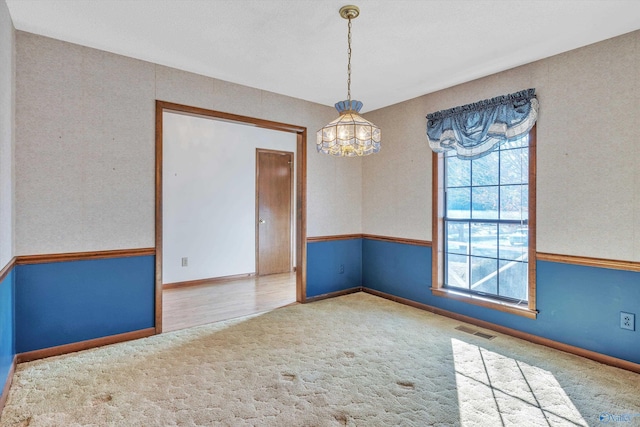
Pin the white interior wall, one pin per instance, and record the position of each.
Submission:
(588, 173)
(209, 195)
(7, 112)
(85, 147)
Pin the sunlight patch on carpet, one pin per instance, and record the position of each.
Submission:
(499, 390)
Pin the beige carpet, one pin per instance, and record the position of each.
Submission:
(355, 360)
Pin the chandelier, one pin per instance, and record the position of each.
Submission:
(350, 134)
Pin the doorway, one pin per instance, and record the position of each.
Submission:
(297, 186)
(274, 192)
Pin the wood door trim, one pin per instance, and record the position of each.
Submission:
(301, 190)
(229, 117)
(301, 216)
(160, 107)
(292, 157)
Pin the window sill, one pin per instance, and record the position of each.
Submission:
(520, 310)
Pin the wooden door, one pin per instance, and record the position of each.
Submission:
(274, 190)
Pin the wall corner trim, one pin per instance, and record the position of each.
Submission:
(598, 357)
(369, 237)
(7, 384)
(84, 345)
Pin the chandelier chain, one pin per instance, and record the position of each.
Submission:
(349, 64)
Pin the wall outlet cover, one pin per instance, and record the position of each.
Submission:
(628, 321)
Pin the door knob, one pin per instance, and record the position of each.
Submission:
(261, 221)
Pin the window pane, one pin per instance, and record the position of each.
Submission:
(458, 172)
(513, 280)
(458, 203)
(514, 202)
(484, 171)
(484, 239)
(522, 142)
(514, 166)
(485, 202)
(512, 241)
(484, 275)
(457, 271)
(457, 241)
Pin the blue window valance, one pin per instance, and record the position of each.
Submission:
(476, 129)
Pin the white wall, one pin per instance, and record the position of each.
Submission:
(85, 147)
(209, 195)
(7, 112)
(588, 152)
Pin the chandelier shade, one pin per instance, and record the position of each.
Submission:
(350, 135)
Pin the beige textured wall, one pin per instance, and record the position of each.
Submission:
(85, 147)
(7, 110)
(588, 152)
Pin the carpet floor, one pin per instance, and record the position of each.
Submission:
(355, 360)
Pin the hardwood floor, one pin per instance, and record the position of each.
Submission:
(207, 303)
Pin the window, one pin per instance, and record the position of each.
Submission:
(484, 227)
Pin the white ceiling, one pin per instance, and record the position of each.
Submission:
(401, 48)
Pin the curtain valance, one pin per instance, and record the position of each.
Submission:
(476, 129)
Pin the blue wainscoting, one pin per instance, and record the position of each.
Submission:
(65, 302)
(581, 306)
(578, 305)
(323, 266)
(7, 326)
(398, 269)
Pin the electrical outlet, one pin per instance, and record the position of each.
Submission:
(628, 321)
(341, 268)
(185, 262)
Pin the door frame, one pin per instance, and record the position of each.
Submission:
(257, 226)
(300, 196)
